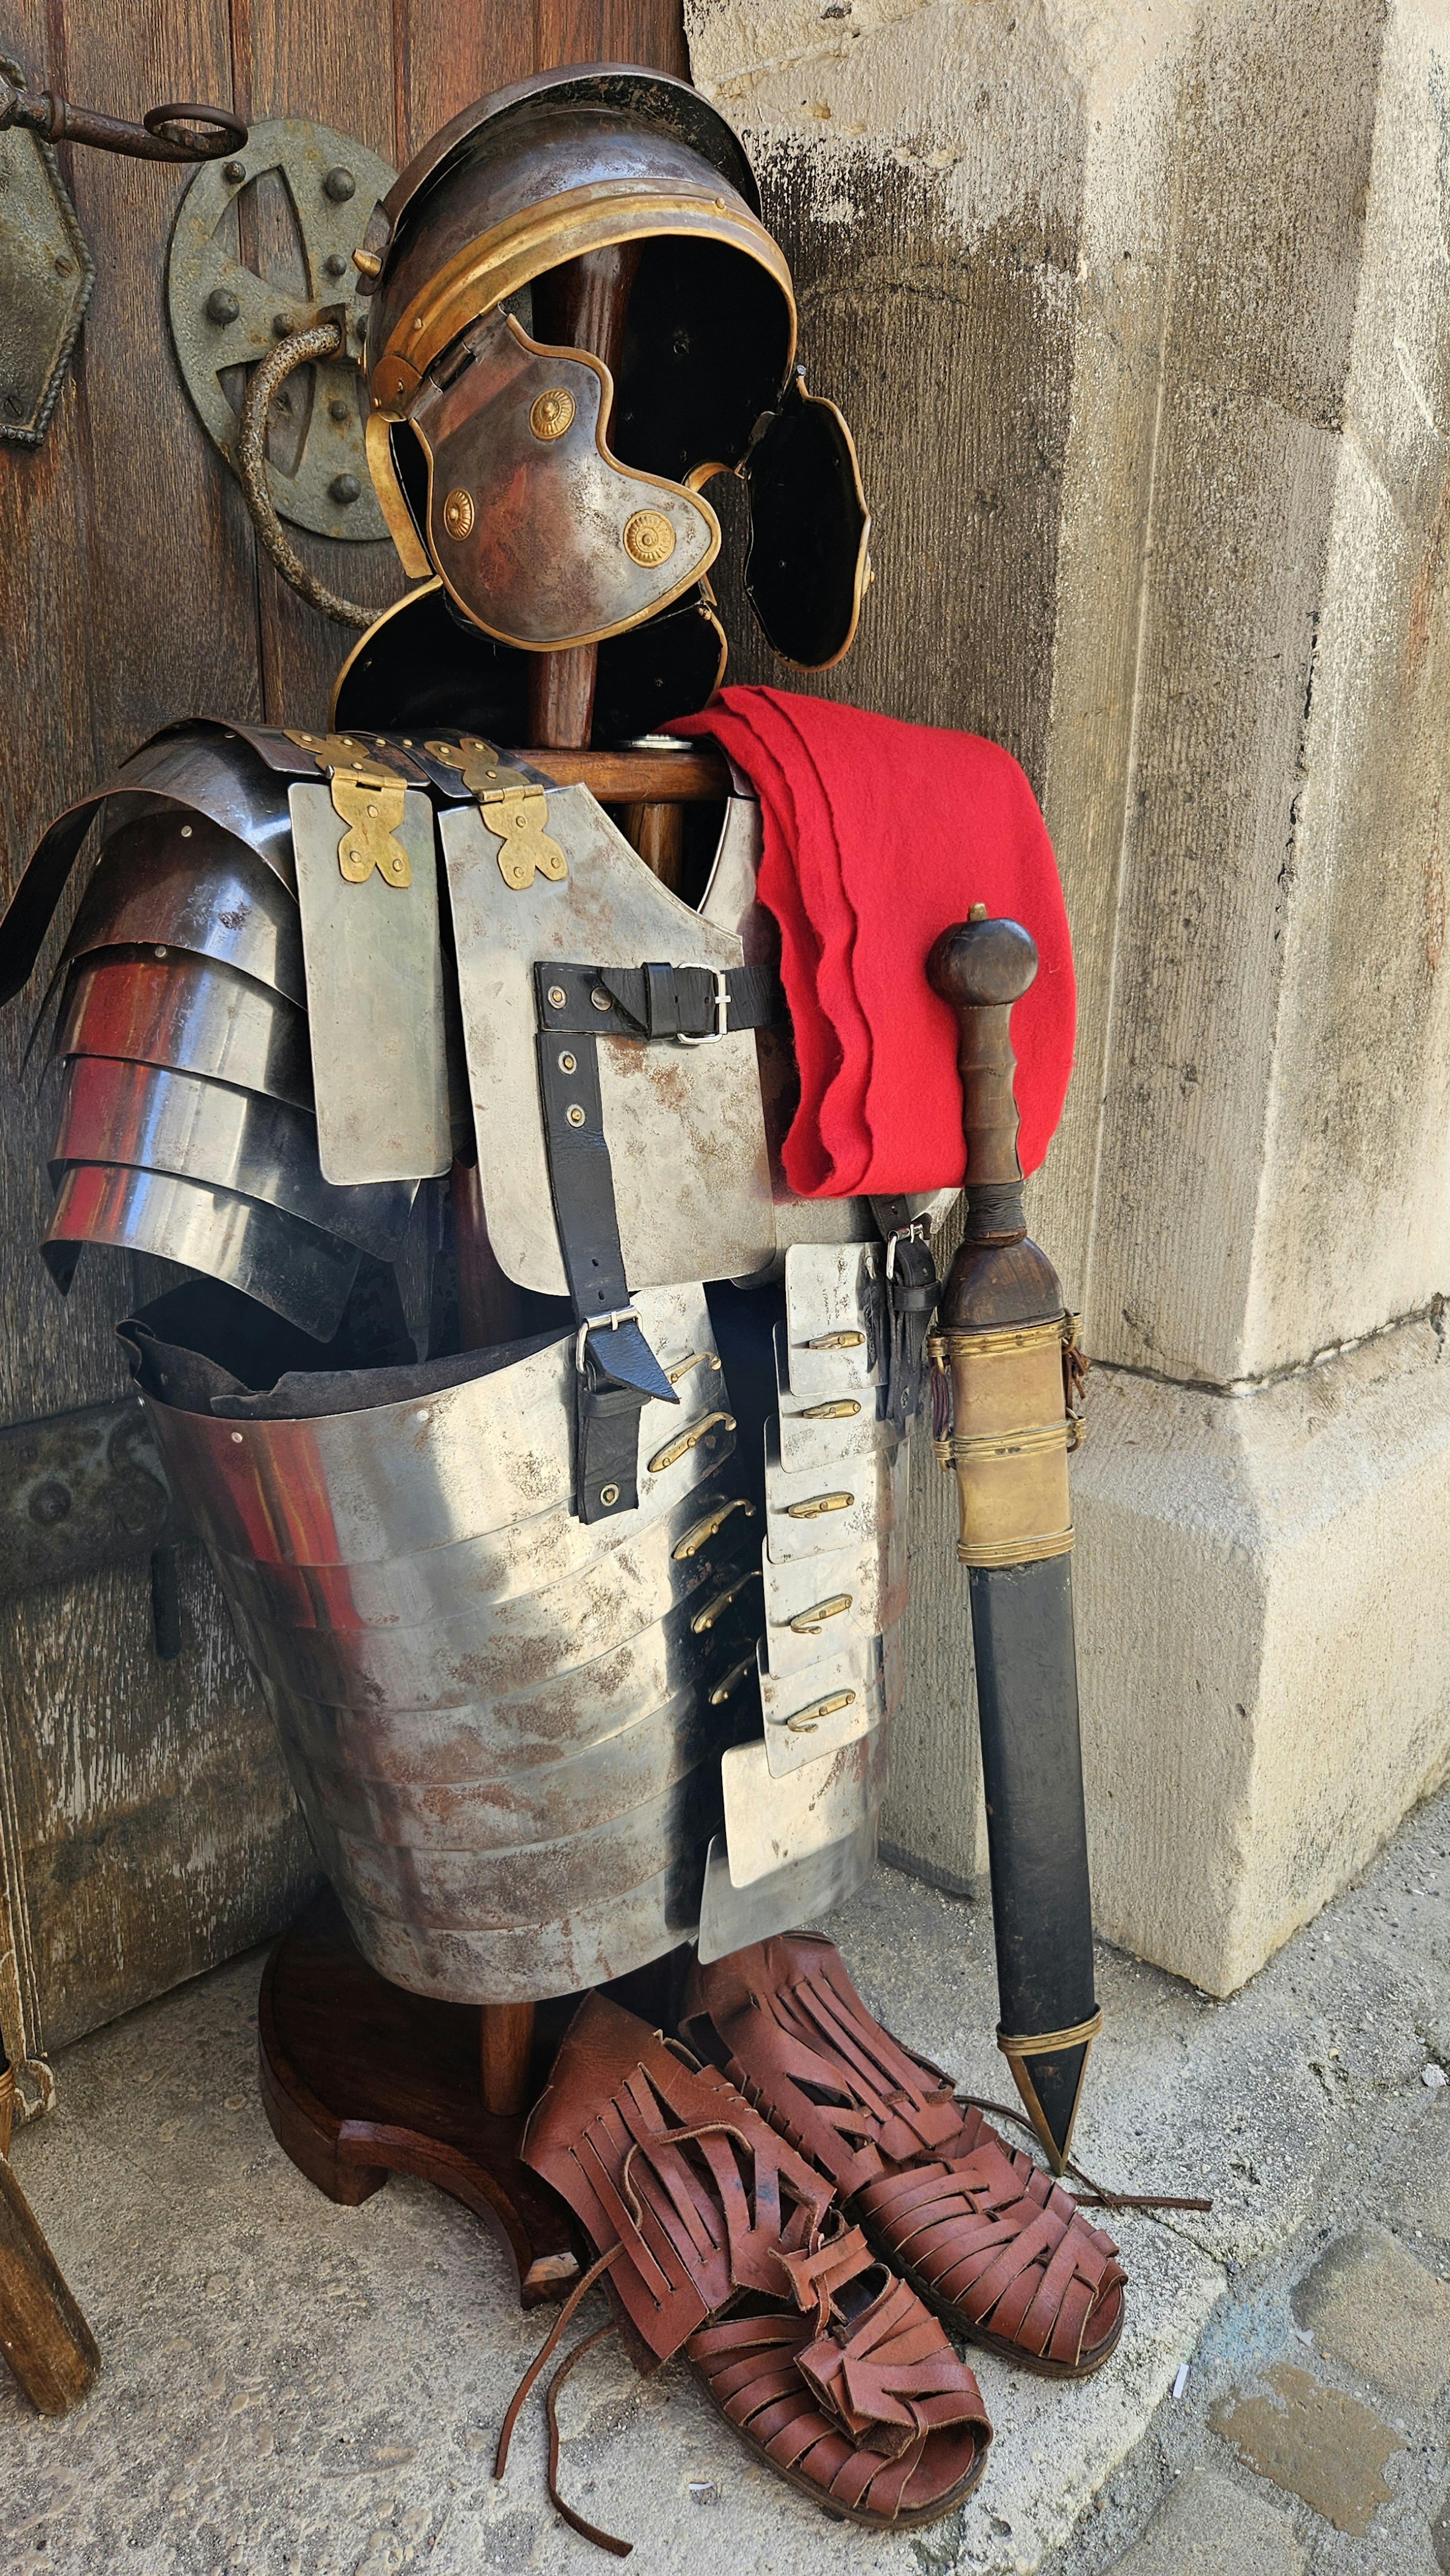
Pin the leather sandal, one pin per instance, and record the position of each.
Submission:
(713, 2236)
(987, 2238)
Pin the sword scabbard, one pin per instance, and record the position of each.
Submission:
(1001, 1332)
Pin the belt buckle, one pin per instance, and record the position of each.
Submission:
(722, 1002)
(600, 1324)
(917, 1232)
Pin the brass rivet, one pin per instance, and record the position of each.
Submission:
(372, 813)
(458, 513)
(608, 1495)
(599, 1000)
(551, 412)
(396, 866)
(568, 1064)
(574, 1114)
(649, 539)
(557, 997)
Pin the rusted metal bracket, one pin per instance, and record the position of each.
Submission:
(79, 1491)
(46, 270)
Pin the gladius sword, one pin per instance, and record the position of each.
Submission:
(1005, 1349)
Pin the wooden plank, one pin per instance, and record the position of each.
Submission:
(613, 31)
(450, 53)
(289, 62)
(153, 1828)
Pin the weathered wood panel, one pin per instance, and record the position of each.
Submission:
(146, 1825)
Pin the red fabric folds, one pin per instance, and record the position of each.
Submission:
(878, 835)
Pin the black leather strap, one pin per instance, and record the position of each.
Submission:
(616, 1372)
(912, 1290)
(658, 1001)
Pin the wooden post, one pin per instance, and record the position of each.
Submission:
(43, 2335)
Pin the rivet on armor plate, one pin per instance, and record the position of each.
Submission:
(609, 1496)
(691, 1360)
(726, 1689)
(806, 1720)
(568, 1063)
(698, 1531)
(715, 1609)
(458, 512)
(684, 1441)
(599, 1001)
(557, 997)
(649, 539)
(574, 1114)
(806, 1623)
(551, 412)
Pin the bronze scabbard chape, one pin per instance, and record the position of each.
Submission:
(1009, 1442)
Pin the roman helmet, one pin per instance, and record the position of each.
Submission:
(576, 321)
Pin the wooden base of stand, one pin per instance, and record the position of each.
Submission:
(361, 2079)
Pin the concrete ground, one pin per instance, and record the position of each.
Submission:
(293, 2389)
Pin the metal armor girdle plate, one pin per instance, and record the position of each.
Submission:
(424, 1751)
(189, 1013)
(533, 1750)
(293, 1268)
(164, 1121)
(684, 1124)
(165, 883)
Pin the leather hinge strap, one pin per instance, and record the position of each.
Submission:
(615, 1371)
(912, 1290)
(690, 1004)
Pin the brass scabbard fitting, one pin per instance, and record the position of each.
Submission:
(1009, 1441)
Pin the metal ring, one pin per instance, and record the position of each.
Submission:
(220, 132)
(325, 340)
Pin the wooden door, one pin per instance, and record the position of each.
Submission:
(146, 1825)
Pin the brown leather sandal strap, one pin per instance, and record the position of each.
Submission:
(546, 2349)
(1094, 2195)
(576, 2521)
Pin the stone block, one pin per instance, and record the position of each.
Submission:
(1313, 2442)
(1142, 316)
(1209, 2526)
(1373, 2306)
(1261, 1653)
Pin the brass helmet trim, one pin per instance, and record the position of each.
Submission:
(671, 106)
(541, 237)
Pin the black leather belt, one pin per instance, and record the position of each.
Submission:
(615, 1371)
(691, 1004)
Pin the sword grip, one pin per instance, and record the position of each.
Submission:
(982, 967)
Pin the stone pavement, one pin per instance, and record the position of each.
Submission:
(293, 2389)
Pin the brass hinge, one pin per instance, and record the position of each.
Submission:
(367, 797)
(513, 808)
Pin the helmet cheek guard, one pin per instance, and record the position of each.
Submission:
(541, 536)
(554, 496)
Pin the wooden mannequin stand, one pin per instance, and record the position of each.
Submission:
(359, 2077)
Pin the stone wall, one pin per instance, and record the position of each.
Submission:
(1141, 312)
